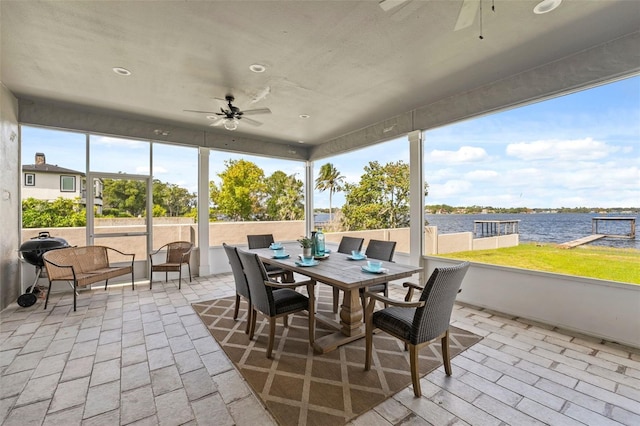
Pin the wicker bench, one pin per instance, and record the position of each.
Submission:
(85, 265)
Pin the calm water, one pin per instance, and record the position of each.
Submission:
(545, 228)
(541, 227)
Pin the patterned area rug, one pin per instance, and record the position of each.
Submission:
(302, 388)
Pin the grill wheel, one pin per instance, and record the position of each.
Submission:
(27, 300)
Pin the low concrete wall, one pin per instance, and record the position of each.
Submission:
(600, 308)
(236, 232)
(501, 241)
(166, 230)
(464, 241)
(451, 243)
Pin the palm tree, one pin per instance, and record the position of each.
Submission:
(331, 179)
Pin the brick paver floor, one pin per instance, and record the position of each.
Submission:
(143, 357)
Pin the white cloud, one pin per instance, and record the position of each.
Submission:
(119, 142)
(466, 154)
(450, 188)
(559, 150)
(481, 175)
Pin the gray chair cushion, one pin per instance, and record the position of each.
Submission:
(395, 320)
(287, 300)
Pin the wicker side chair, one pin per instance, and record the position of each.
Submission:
(275, 299)
(347, 245)
(418, 323)
(178, 254)
(242, 287)
(381, 250)
(258, 241)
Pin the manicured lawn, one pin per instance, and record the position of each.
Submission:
(588, 261)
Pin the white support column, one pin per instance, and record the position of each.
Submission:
(203, 211)
(416, 200)
(90, 197)
(149, 228)
(308, 197)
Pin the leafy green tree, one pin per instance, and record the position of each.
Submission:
(330, 179)
(124, 195)
(174, 199)
(285, 197)
(180, 200)
(62, 212)
(380, 200)
(159, 211)
(440, 208)
(242, 191)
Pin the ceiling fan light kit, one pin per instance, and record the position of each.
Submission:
(230, 123)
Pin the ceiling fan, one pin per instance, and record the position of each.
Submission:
(230, 117)
(403, 8)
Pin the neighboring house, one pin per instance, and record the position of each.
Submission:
(44, 181)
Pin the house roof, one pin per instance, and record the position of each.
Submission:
(361, 73)
(49, 168)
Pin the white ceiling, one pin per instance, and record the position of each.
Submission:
(347, 64)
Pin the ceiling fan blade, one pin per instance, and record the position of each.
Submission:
(218, 121)
(256, 111)
(244, 119)
(387, 5)
(467, 14)
(400, 10)
(201, 112)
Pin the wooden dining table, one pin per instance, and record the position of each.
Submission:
(339, 271)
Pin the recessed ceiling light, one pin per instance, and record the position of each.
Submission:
(304, 116)
(121, 71)
(300, 141)
(257, 68)
(212, 117)
(546, 6)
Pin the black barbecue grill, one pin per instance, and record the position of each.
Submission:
(31, 252)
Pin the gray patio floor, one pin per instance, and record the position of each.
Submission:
(143, 357)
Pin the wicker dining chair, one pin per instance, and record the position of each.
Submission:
(347, 245)
(381, 250)
(418, 323)
(178, 254)
(242, 287)
(258, 241)
(275, 299)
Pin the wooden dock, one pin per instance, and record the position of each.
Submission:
(603, 220)
(491, 228)
(580, 241)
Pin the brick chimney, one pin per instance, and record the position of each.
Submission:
(40, 158)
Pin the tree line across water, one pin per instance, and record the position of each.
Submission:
(244, 193)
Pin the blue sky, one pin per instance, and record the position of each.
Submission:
(577, 150)
(581, 149)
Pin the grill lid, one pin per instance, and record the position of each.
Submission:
(31, 251)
